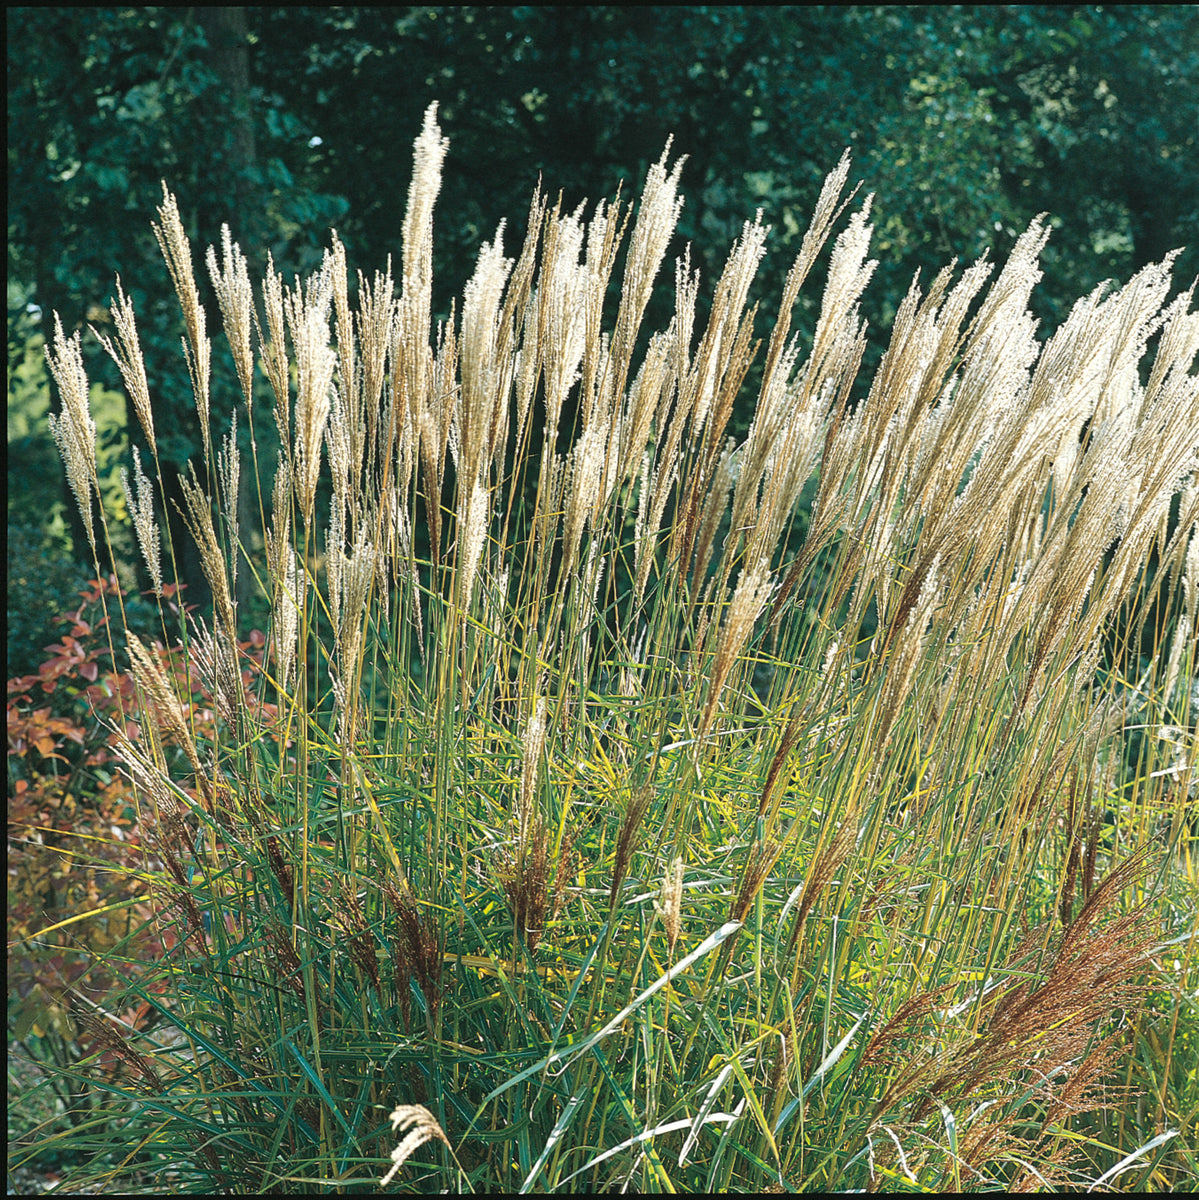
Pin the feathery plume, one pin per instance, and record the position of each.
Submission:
(484, 376)
(749, 598)
(198, 515)
(472, 535)
(127, 354)
(586, 484)
(228, 461)
(176, 250)
(356, 571)
(74, 430)
(286, 617)
(626, 841)
(715, 507)
(1189, 582)
(656, 220)
(375, 316)
(420, 1126)
(142, 511)
(308, 320)
(273, 349)
(428, 155)
(534, 744)
(726, 328)
(349, 373)
(561, 311)
(669, 904)
(233, 292)
(215, 658)
(848, 273)
(152, 683)
(415, 431)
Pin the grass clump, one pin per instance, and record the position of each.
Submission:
(617, 804)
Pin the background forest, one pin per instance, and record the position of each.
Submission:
(966, 122)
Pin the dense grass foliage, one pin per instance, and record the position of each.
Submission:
(616, 804)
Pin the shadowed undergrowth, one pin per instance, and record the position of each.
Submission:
(626, 805)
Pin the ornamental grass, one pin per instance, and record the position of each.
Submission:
(623, 801)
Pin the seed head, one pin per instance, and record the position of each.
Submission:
(74, 430)
(421, 1126)
(142, 511)
(669, 905)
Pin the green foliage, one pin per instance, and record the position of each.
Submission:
(40, 586)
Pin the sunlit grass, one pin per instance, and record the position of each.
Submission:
(655, 810)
